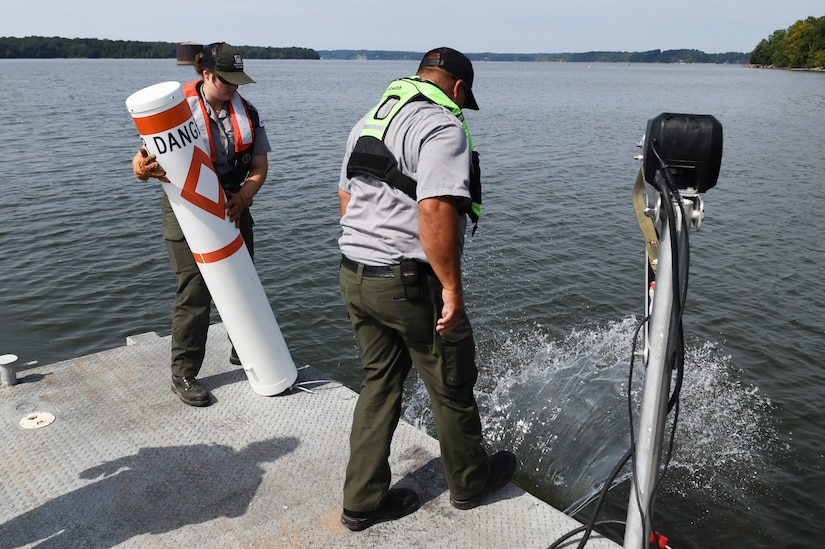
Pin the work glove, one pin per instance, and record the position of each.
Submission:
(236, 203)
(145, 166)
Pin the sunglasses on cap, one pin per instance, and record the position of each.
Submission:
(224, 80)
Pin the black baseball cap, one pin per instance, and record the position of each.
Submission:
(226, 61)
(457, 64)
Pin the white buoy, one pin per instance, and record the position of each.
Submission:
(169, 131)
(8, 374)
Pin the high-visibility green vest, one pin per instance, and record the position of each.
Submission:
(372, 157)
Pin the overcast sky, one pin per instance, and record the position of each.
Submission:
(497, 26)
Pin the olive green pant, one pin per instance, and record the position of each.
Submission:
(193, 302)
(393, 334)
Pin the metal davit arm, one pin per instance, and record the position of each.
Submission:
(682, 158)
(661, 340)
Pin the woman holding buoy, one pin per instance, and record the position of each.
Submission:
(238, 146)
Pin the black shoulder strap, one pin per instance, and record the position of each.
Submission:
(372, 157)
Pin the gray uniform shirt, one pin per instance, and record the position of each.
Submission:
(380, 225)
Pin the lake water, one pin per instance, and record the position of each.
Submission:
(554, 276)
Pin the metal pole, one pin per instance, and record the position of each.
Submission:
(646, 460)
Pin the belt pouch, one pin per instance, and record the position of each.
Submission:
(409, 277)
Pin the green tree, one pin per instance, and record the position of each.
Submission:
(761, 54)
(802, 45)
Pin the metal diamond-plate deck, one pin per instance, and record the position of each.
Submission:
(126, 464)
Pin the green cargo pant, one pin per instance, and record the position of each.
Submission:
(193, 302)
(393, 334)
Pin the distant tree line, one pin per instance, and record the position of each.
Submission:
(371, 55)
(801, 46)
(42, 47)
(653, 56)
(256, 52)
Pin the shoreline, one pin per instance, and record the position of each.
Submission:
(796, 69)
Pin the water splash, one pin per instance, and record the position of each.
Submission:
(562, 407)
(725, 434)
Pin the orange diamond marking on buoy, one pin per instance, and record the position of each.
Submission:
(190, 187)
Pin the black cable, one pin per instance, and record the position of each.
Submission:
(588, 529)
(572, 533)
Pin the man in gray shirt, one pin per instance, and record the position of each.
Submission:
(409, 181)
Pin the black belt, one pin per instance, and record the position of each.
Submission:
(369, 270)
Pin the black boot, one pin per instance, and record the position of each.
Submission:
(190, 390)
(398, 503)
(502, 468)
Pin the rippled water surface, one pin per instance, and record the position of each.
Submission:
(555, 275)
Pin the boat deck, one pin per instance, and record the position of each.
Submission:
(126, 464)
